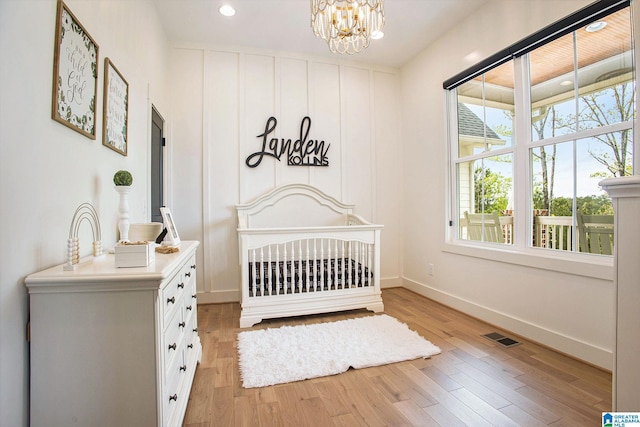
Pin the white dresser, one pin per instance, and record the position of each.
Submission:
(114, 346)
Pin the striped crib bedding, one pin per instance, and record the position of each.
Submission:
(272, 278)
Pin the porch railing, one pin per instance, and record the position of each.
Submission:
(552, 232)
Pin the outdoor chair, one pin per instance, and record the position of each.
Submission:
(595, 233)
(484, 227)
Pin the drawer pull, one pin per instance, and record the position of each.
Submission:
(190, 308)
(174, 397)
(180, 285)
(194, 296)
(173, 346)
(182, 324)
(190, 346)
(193, 266)
(188, 274)
(195, 330)
(171, 300)
(183, 367)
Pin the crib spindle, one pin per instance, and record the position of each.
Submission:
(329, 267)
(315, 265)
(362, 260)
(277, 286)
(354, 264)
(285, 282)
(342, 267)
(252, 285)
(335, 266)
(299, 282)
(370, 265)
(263, 277)
(321, 267)
(367, 262)
(307, 280)
(285, 265)
(292, 267)
(349, 270)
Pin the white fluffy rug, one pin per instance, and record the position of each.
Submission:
(293, 353)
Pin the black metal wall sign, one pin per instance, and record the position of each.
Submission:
(301, 152)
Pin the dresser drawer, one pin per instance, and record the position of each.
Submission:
(173, 338)
(189, 270)
(190, 296)
(173, 295)
(189, 307)
(191, 330)
(173, 395)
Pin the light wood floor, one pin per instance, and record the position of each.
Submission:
(473, 382)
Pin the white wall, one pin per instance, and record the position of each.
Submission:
(47, 169)
(221, 101)
(570, 312)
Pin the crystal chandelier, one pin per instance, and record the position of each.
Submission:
(347, 25)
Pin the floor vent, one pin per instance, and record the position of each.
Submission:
(501, 339)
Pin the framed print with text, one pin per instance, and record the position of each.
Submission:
(75, 74)
(115, 109)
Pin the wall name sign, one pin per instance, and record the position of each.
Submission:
(301, 152)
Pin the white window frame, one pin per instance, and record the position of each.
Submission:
(520, 252)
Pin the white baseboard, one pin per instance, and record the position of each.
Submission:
(589, 353)
(391, 282)
(218, 297)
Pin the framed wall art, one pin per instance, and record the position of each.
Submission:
(75, 74)
(115, 109)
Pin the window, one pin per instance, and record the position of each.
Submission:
(535, 128)
(484, 167)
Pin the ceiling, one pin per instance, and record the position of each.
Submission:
(284, 26)
(604, 58)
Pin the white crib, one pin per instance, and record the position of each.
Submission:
(304, 252)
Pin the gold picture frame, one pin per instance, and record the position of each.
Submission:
(115, 109)
(75, 74)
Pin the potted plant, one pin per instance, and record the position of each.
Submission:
(123, 177)
(123, 180)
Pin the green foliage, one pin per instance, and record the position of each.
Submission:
(562, 206)
(491, 191)
(588, 205)
(595, 205)
(123, 177)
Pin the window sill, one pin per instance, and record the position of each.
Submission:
(594, 266)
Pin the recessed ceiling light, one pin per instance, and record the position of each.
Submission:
(595, 26)
(226, 10)
(566, 83)
(377, 35)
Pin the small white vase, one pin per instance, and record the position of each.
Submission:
(123, 211)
